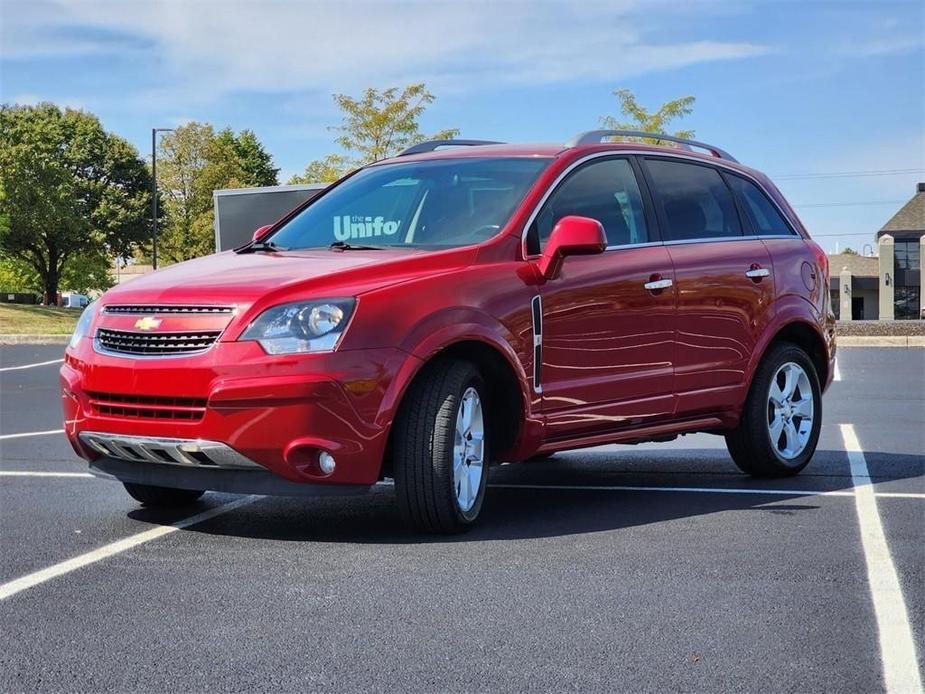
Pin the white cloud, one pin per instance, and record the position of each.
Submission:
(31, 99)
(26, 99)
(212, 48)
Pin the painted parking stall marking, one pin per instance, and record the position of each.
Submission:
(897, 647)
(31, 433)
(703, 490)
(31, 366)
(18, 585)
(39, 473)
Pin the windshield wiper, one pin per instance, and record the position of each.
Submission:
(257, 246)
(344, 246)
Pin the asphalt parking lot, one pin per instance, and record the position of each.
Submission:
(620, 568)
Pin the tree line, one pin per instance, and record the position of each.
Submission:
(73, 196)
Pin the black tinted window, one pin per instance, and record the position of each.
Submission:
(694, 199)
(762, 214)
(603, 190)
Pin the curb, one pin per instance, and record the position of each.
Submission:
(34, 339)
(880, 341)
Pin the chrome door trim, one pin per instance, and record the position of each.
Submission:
(648, 153)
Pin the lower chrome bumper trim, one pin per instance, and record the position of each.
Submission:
(166, 451)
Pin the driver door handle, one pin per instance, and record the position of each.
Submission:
(658, 284)
(756, 272)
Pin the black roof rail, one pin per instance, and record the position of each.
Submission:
(592, 137)
(431, 145)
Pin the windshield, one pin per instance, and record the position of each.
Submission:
(428, 204)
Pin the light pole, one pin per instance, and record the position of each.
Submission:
(154, 132)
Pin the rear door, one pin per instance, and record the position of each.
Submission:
(723, 277)
(607, 340)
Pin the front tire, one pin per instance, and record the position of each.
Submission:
(779, 428)
(441, 448)
(161, 497)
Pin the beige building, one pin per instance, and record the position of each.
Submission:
(854, 283)
(124, 273)
(887, 286)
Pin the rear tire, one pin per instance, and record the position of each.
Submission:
(779, 428)
(441, 448)
(161, 497)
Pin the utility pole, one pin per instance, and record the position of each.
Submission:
(154, 132)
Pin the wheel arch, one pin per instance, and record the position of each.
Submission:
(803, 333)
(500, 366)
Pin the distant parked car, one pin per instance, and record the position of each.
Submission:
(441, 311)
(75, 301)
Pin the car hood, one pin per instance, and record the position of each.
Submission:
(242, 279)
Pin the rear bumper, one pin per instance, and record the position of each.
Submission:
(239, 481)
(277, 412)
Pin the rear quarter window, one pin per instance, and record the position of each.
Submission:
(694, 200)
(761, 212)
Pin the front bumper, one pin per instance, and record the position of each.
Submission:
(275, 412)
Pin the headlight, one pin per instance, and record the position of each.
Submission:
(83, 324)
(304, 326)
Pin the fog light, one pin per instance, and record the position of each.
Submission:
(326, 462)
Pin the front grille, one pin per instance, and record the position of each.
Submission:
(147, 406)
(126, 342)
(136, 309)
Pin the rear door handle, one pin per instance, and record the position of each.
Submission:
(658, 284)
(757, 272)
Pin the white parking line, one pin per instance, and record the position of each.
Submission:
(32, 433)
(38, 577)
(30, 473)
(705, 490)
(897, 647)
(31, 366)
(836, 375)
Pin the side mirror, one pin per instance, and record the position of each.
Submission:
(572, 235)
(261, 232)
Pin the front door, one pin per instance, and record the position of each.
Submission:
(607, 339)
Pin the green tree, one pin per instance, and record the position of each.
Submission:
(256, 163)
(70, 189)
(637, 117)
(18, 276)
(192, 162)
(324, 170)
(850, 251)
(376, 126)
(86, 273)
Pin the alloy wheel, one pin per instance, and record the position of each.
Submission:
(791, 408)
(468, 450)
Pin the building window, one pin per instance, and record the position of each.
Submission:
(907, 279)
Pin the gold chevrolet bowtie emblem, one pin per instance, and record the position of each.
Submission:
(147, 323)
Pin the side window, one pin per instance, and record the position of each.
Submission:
(762, 213)
(604, 190)
(694, 199)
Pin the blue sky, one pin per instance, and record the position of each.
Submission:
(796, 89)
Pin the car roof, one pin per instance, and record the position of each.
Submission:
(556, 150)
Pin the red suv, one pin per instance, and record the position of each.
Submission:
(435, 313)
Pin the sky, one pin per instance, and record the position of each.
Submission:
(828, 98)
